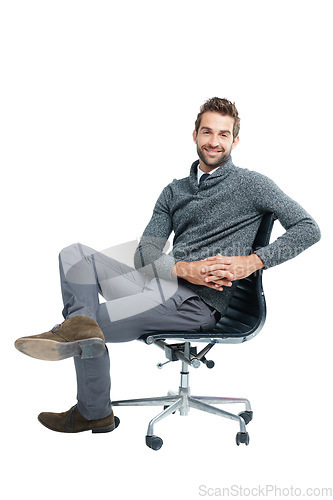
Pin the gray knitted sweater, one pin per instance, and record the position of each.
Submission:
(222, 216)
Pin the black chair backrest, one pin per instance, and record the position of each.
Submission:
(246, 312)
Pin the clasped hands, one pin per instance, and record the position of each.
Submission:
(218, 271)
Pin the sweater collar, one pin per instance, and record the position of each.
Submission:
(222, 171)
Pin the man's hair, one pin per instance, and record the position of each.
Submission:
(222, 106)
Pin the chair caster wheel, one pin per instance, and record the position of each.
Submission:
(242, 437)
(154, 442)
(247, 416)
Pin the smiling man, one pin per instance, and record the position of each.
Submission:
(215, 213)
(216, 136)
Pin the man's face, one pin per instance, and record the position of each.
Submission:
(214, 139)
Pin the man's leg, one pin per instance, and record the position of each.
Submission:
(134, 306)
(85, 273)
(93, 386)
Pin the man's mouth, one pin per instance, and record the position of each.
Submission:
(213, 152)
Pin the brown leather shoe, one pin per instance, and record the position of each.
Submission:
(76, 336)
(72, 421)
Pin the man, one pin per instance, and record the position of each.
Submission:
(215, 214)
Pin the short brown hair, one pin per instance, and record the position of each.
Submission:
(222, 106)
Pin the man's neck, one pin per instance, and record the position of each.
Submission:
(204, 168)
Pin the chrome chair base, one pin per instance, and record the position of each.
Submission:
(183, 401)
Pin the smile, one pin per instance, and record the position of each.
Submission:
(213, 151)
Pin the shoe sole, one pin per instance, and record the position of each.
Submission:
(96, 430)
(51, 350)
(107, 429)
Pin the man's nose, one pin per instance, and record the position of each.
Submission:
(214, 141)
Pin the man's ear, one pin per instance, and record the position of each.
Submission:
(236, 141)
(194, 135)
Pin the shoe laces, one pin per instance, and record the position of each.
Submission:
(56, 328)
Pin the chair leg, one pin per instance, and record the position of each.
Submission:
(165, 413)
(218, 400)
(199, 405)
(159, 401)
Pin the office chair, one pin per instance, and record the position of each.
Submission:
(243, 320)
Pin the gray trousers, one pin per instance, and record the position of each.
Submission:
(134, 305)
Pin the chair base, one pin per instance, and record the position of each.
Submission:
(182, 401)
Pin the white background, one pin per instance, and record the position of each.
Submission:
(98, 103)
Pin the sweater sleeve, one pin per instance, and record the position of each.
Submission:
(301, 229)
(149, 257)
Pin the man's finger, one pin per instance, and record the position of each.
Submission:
(219, 258)
(216, 280)
(225, 277)
(219, 270)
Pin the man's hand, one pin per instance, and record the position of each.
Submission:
(198, 272)
(240, 267)
(219, 270)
